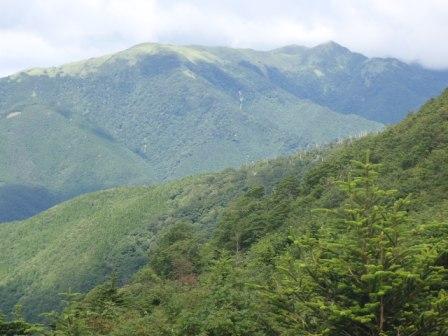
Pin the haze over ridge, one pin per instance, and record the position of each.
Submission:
(61, 31)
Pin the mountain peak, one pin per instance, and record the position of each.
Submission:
(331, 47)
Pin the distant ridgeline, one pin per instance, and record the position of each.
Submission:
(157, 112)
(350, 239)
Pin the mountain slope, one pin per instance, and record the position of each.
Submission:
(170, 110)
(48, 158)
(161, 112)
(374, 262)
(76, 244)
(381, 89)
(174, 105)
(112, 230)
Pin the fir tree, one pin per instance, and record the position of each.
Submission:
(358, 276)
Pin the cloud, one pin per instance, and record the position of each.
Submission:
(49, 32)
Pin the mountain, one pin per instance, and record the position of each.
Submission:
(46, 158)
(158, 112)
(381, 89)
(77, 244)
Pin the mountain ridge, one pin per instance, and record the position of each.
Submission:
(181, 110)
(172, 110)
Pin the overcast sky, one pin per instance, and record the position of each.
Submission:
(51, 32)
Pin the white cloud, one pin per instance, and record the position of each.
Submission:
(49, 32)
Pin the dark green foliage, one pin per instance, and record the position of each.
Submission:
(378, 89)
(242, 222)
(18, 326)
(177, 253)
(47, 159)
(253, 215)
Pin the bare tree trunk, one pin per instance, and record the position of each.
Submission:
(237, 245)
(382, 262)
(382, 320)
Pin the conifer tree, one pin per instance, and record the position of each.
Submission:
(358, 275)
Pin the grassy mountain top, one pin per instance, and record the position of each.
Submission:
(285, 58)
(369, 87)
(131, 56)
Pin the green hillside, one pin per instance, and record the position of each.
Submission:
(225, 250)
(121, 224)
(46, 158)
(348, 248)
(176, 106)
(159, 112)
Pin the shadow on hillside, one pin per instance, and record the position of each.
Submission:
(21, 201)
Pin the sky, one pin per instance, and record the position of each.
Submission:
(41, 33)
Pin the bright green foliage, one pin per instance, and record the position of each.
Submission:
(229, 309)
(52, 252)
(358, 273)
(373, 262)
(93, 312)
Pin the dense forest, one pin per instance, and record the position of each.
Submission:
(355, 245)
